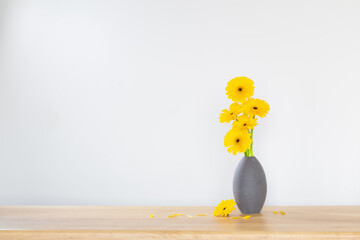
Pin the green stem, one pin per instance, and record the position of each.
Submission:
(249, 151)
(251, 146)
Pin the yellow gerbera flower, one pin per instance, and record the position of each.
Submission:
(244, 122)
(256, 107)
(240, 88)
(237, 141)
(231, 114)
(224, 208)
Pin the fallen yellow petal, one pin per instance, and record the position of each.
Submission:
(246, 217)
(152, 216)
(172, 215)
(236, 217)
(275, 212)
(200, 215)
(282, 213)
(177, 214)
(189, 216)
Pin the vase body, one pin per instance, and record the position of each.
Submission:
(249, 185)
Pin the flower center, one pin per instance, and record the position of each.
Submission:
(240, 89)
(244, 124)
(224, 208)
(255, 108)
(231, 113)
(237, 140)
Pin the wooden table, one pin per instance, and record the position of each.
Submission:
(135, 223)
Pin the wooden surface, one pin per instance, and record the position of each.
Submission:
(135, 223)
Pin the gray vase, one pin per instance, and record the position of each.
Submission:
(249, 185)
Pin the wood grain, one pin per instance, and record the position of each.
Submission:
(41, 222)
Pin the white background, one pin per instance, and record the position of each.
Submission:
(118, 102)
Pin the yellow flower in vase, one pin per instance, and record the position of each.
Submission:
(244, 122)
(256, 107)
(224, 208)
(228, 115)
(240, 88)
(240, 140)
(237, 141)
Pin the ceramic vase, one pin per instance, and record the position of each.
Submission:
(249, 185)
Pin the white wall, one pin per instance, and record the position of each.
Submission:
(117, 102)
